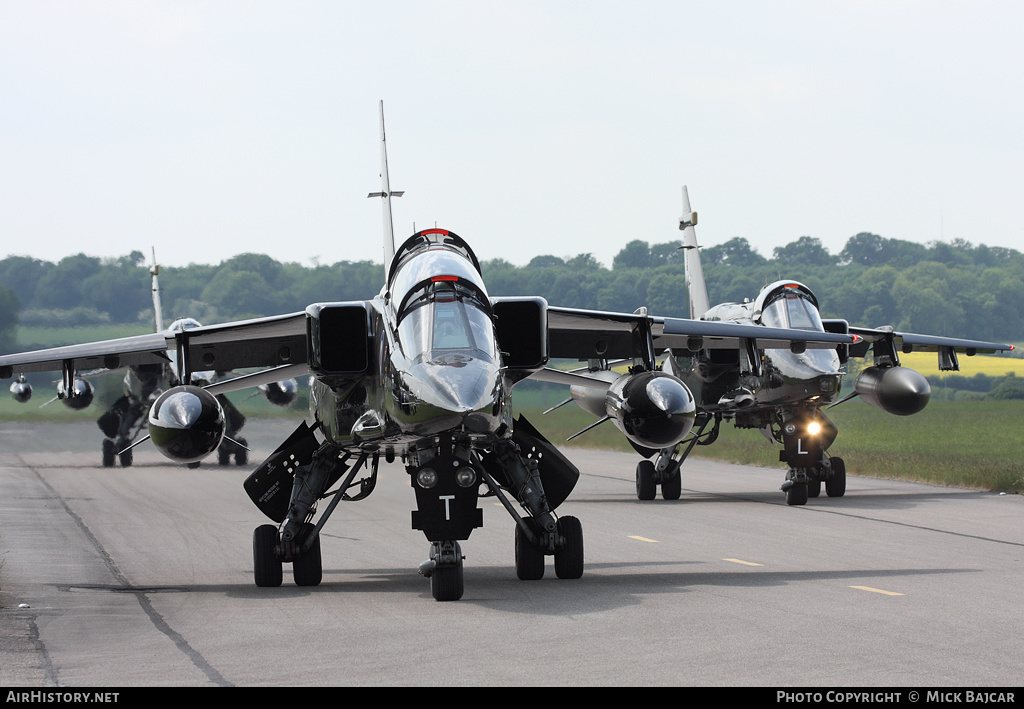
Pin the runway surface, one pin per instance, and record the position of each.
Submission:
(142, 576)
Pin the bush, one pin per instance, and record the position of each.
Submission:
(1008, 387)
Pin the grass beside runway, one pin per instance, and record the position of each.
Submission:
(972, 444)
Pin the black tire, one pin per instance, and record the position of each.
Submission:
(797, 494)
(223, 455)
(267, 568)
(126, 458)
(447, 582)
(529, 558)
(569, 559)
(835, 486)
(814, 488)
(109, 454)
(646, 488)
(241, 455)
(672, 484)
(308, 569)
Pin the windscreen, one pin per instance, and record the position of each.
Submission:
(446, 320)
(791, 309)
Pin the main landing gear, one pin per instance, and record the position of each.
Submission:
(286, 487)
(121, 425)
(233, 445)
(116, 451)
(565, 545)
(665, 470)
(269, 556)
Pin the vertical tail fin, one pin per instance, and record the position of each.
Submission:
(386, 194)
(698, 290)
(154, 271)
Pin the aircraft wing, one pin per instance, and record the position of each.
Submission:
(105, 354)
(886, 342)
(261, 342)
(588, 334)
(913, 342)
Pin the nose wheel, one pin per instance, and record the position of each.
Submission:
(445, 571)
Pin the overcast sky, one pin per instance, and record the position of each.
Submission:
(208, 129)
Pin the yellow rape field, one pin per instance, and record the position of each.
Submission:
(927, 364)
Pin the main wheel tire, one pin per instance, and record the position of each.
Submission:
(835, 486)
(569, 559)
(267, 568)
(308, 569)
(109, 454)
(529, 558)
(241, 455)
(125, 458)
(797, 494)
(672, 484)
(646, 488)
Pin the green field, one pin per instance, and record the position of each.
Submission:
(974, 444)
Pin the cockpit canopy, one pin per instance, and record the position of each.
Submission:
(182, 324)
(434, 240)
(790, 305)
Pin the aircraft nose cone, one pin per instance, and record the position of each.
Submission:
(461, 392)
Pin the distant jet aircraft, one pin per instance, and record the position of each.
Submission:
(780, 392)
(422, 372)
(143, 383)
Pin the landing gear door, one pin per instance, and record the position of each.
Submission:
(802, 450)
(270, 485)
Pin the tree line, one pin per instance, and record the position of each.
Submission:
(945, 288)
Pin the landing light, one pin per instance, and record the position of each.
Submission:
(465, 477)
(814, 428)
(426, 478)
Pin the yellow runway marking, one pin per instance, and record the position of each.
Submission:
(745, 563)
(644, 539)
(877, 590)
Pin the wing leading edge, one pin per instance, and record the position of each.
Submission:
(587, 334)
(107, 354)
